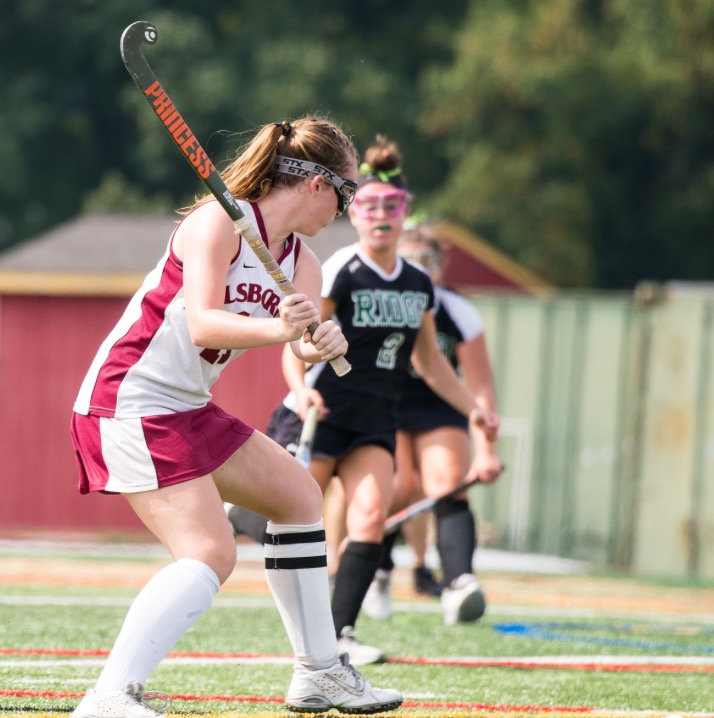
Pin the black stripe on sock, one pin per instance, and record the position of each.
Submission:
(287, 539)
(296, 562)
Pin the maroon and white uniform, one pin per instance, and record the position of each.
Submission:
(143, 417)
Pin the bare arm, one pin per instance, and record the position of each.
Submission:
(329, 341)
(294, 370)
(206, 243)
(436, 371)
(476, 368)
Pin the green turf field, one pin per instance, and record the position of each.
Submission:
(555, 645)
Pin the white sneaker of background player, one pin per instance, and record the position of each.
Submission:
(128, 703)
(341, 686)
(377, 602)
(463, 600)
(360, 653)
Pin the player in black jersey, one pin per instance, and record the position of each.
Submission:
(382, 304)
(434, 447)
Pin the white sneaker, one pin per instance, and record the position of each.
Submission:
(377, 602)
(360, 654)
(129, 703)
(463, 600)
(342, 687)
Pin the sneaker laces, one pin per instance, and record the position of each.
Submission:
(351, 671)
(147, 699)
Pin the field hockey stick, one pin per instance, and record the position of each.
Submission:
(185, 140)
(422, 506)
(304, 450)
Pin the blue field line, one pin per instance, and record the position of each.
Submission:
(569, 632)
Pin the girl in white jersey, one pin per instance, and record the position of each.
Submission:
(144, 425)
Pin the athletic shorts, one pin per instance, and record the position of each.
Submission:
(331, 442)
(285, 427)
(124, 456)
(425, 415)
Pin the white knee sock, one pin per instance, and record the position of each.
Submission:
(296, 569)
(163, 611)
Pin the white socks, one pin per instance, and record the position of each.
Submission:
(296, 569)
(163, 611)
(172, 601)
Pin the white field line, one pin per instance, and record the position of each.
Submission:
(27, 682)
(220, 602)
(466, 660)
(421, 606)
(488, 559)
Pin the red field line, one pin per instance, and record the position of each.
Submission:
(273, 699)
(72, 652)
(422, 661)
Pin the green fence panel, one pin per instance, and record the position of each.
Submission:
(607, 402)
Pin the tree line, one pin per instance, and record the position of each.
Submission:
(575, 135)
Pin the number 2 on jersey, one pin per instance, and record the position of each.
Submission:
(387, 356)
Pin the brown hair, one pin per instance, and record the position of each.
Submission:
(421, 235)
(252, 173)
(382, 163)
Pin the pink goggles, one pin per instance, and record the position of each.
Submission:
(391, 203)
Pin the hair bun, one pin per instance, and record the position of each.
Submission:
(286, 127)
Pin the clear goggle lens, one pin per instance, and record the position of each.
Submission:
(391, 203)
(428, 260)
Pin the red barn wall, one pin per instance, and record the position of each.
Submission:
(46, 345)
(464, 271)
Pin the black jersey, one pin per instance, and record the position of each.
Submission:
(457, 321)
(380, 315)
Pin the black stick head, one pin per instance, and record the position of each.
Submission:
(130, 45)
(132, 37)
(138, 32)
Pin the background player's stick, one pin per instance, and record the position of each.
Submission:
(421, 506)
(304, 450)
(186, 141)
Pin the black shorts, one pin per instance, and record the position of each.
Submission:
(285, 427)
(424, 415)
(331, 442)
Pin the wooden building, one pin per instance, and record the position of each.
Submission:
(59, 296)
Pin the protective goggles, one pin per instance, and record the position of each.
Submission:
(427, 259)
(391, 203)
(344, 189)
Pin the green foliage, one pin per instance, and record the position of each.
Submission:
(115, 194)
(574, 134)
(71, 116)
(577, 138)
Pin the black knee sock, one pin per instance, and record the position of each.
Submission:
(385, 560)
(354, 575)
(455, 538)
(248, 523)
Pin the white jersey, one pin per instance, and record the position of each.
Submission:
(148, 364)
(462, 321)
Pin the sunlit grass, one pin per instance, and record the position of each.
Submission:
(87, 618)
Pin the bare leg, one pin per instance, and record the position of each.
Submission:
(335, 515)
(367, 477)
(189, 520)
